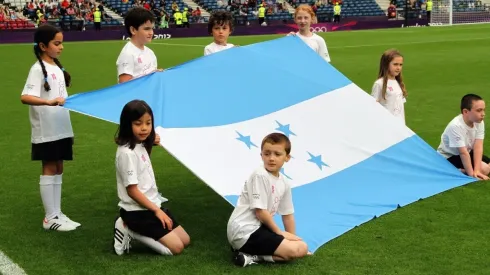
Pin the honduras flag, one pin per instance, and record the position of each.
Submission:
(351, 159)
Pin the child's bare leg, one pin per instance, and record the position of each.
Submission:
(485, 168)
(49, 168)
(172, 242)
(59, 167)
(182, 234)
(290, 250)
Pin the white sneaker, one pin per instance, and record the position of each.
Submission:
(242, 259)
(68, 220)
(57, 224)
(122, 237)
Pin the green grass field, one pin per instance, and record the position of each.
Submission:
(444, 234)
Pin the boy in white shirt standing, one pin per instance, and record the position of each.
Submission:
(251, 229)
(135, 59)
(462, 140)
(220, 26)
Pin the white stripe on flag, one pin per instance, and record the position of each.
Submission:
(346, 127)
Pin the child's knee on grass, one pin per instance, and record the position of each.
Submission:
(173, 242)
(290, 250)
(182, 234)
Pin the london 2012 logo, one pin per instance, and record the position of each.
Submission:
(318, 29)
(155, 36)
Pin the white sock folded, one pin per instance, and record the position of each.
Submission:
(151, 243)
(267, 258)
(46, 185)
(58, 180)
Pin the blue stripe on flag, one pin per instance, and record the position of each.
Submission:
(329, 207)
(199, 92)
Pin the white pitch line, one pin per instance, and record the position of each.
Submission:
(174, 44)
(8, 267)
(357, 46)
(337, 47)
(411, 43)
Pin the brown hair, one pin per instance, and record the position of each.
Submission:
(467, 101)
(384, 67)
(220, 18)
(276, 138)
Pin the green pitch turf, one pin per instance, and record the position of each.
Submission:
(444, 234)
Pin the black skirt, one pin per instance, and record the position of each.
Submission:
(57, 150)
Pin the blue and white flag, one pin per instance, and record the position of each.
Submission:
(351, 159)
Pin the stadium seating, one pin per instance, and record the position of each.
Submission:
(122, 8)
(350, 8)
(211, 5)
(24, 23)
(16, 24)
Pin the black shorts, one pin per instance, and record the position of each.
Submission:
(263, 242)
(456, 160)
(145, 222)
(57, 150)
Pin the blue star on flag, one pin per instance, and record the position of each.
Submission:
(285, 129)
(246, 140)
(282, 172)
(317, 160)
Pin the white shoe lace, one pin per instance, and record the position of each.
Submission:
(127, 244)
(127, 241)
(250, 259)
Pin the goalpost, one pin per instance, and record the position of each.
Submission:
(452, 12)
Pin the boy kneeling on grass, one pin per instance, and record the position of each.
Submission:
(462, 140)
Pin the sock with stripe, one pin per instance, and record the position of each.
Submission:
(47, 195)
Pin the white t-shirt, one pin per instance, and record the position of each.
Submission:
(395, 101)
(136, 62)
(214, 48)
(134, 167)
(261, 191)
(48, 123)
(317, 43)
(459, 134)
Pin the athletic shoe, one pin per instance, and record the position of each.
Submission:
(242, 259)
(68, 220)
(122, 237)
(57, 224)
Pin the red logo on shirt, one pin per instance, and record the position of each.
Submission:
(390, 89)
(139, 60)
(53, 76)
(273, 189)
(143, 158)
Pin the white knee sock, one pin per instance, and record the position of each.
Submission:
(151, 243)
(46, 185)
(57, 193)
